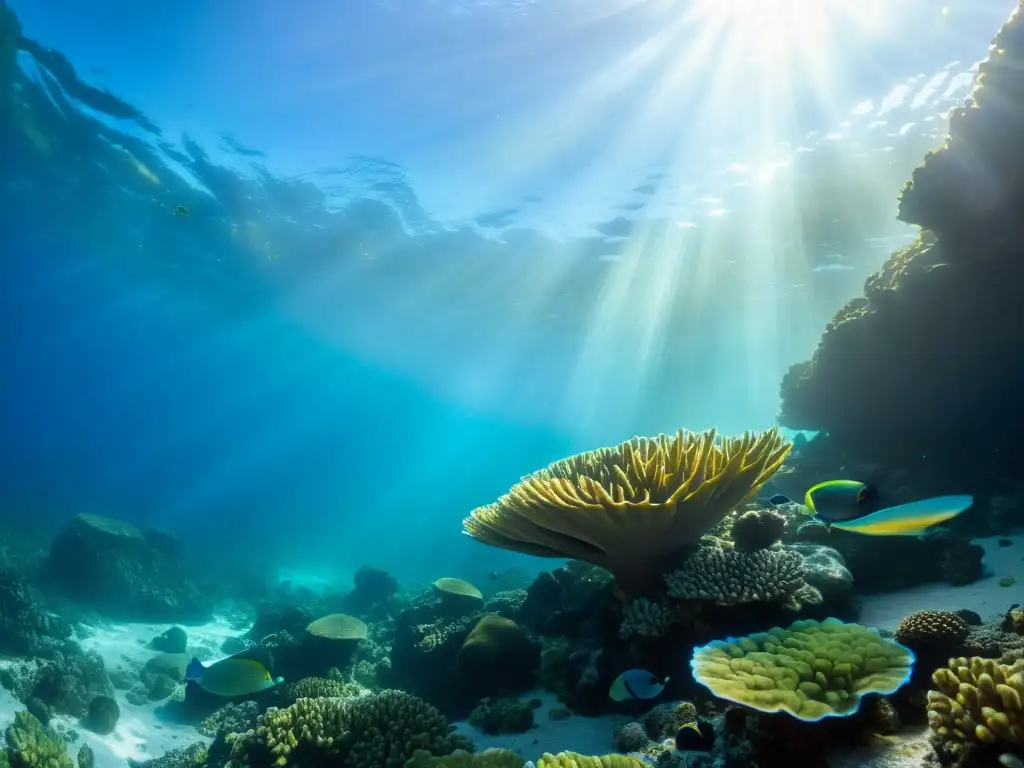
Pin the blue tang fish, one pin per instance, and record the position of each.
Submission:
(852, 506)
(637, 684)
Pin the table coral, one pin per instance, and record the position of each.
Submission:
(812, 670)
(632, 509)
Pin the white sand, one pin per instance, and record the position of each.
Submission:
(985, 597)
(141, 732)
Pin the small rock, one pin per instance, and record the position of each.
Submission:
(103, 715)
(1005, 543)
(174, 640)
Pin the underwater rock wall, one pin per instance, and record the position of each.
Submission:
(927, 361)
(124, 571)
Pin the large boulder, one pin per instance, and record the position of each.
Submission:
(923, 370)
(124, 571)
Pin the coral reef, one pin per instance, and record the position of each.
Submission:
(25, 627)
(125, 571)
(633, 509)
(812, 670)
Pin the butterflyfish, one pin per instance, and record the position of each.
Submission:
(637, 684)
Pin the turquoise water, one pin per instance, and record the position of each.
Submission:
(304, 286)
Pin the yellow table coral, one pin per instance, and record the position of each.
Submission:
(812, 670)
(978, 700)
(632, 509)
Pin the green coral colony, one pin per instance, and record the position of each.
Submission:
(811, 670)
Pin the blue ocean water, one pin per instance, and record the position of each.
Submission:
(304, 286)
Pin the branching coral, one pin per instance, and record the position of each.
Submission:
(731, 578)
(645, 617)
(978, 700)
(632, 509)
(382, 730)
(811, 670)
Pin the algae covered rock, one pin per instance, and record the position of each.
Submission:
(174, 640)
(125, 571)
(497, 657)
(103, 715)
(811, 670)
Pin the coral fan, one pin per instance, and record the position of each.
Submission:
(632, 509)
(811, 670)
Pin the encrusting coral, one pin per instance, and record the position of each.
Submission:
(978, 700)
(812, 670)
(633, 509)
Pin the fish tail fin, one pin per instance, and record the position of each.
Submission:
(194, 670)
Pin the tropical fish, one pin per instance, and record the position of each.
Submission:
(838, 500)
(911, 519)
(852, 506)
(231, 677)
(637, 684)
(180, 211)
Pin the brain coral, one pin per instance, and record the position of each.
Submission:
(978, 700)
(934, 629)
(811, 670)
(633, 508)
